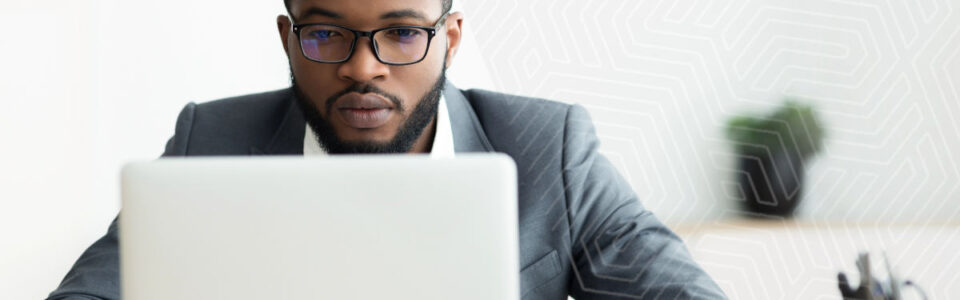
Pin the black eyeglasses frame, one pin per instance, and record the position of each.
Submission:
(357, 34)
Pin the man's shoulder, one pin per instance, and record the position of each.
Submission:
(515, 112)
(257, 103)
(515, 123)
(232, 125)
(497, 101)
(241, 115)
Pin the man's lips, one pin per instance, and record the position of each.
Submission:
(363, 111)
(362, 101)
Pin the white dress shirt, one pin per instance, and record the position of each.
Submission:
(442, 139)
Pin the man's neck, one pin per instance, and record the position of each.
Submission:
(425, 142)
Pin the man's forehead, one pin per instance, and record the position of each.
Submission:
(367, 9)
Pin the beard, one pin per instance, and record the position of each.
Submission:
(411, 129)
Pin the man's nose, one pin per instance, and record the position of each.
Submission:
(363, 66)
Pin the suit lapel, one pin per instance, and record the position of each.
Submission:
(288, 138)
(468, 135)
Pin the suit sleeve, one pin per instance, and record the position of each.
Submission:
(620, 250)
(96, 274)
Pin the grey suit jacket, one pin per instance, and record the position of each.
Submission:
(582, 230)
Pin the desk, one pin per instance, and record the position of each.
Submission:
(754, 259)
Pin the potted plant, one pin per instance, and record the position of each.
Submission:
(773, 152)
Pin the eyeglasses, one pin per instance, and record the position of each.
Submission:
(395, 45)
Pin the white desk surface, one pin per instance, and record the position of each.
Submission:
(754, 259)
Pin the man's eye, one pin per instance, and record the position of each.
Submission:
(404, 33)
(324, 34)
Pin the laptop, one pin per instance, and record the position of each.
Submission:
(341, 227)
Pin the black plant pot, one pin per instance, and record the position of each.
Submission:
(771, 184)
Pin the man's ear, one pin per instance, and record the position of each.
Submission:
(454, 32)
(283, 26)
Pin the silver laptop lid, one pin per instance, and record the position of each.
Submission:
(371, 227)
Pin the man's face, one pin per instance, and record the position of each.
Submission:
(362, 104)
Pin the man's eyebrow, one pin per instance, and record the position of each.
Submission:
(316, 11)
(404, 13)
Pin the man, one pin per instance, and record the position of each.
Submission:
(368, 77)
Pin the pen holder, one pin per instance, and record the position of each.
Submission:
(870, 288)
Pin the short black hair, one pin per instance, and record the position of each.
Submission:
(447, 5)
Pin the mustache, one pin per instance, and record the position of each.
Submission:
(364, 89)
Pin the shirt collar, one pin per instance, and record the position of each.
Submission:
(442, 139)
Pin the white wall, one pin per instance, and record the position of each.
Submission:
(661, 77)
(87, 85)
